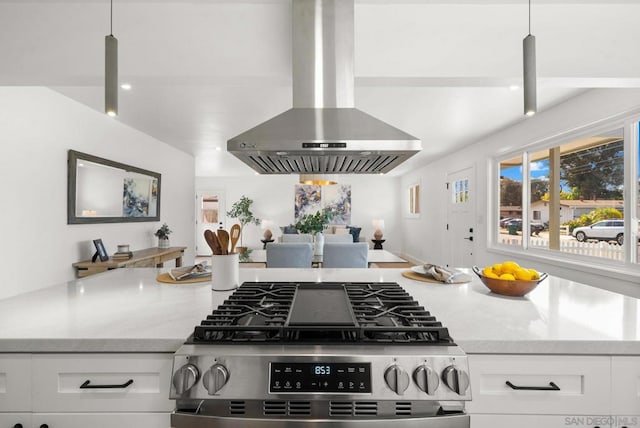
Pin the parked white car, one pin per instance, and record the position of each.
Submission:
(604, 230)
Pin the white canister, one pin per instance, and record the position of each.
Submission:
(225, 272)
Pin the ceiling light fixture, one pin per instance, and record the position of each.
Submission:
(529, 63)
(318, 179)
(111, 71)
(126, 86)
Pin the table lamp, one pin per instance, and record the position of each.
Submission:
(378, 225)
(265, 225)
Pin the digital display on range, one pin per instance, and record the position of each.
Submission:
(320, 377)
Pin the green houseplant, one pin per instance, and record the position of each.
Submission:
(163, 236)
(314, 223)
(241, 210)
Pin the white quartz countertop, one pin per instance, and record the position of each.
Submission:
(127, 310)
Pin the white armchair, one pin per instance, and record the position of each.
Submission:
(331, 239)
(295, 237)
(345, 255)
(289, 254)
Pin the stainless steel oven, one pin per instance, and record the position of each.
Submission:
(320, 354)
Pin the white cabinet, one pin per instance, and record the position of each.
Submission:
(101, 420)
(15, 383)
(540, 384)
(540, 421)
(101, 383)
(15, 420)
(85, 390)
(540, 390)
(625, 388)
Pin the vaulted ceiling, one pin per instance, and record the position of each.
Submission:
(203, 71)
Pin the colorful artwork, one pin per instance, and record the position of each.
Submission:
(311, 198)
(337, 198)
(135, 197)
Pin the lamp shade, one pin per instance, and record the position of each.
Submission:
(378, 223)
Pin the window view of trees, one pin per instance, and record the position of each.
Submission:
(588, 186)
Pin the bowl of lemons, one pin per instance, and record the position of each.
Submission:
(509, 278)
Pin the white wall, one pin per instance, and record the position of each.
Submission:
(372, 196)
(37, 128)
(425, 238)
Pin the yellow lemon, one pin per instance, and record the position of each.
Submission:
(509, 267)
(522, 274)
(486, 270)
(507, 276)
(534, 274)
(497, 268)
(490, 274)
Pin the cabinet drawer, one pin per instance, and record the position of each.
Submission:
(15, 383)
(57, 381)
(625, 385)
(583, 381)
(102, 420)
(10, 420)
(538, 421)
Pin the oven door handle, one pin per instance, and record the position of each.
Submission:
(86, 385)
(552, 387)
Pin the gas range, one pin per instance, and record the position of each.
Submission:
(305, 354)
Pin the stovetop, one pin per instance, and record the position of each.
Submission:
(320, 313)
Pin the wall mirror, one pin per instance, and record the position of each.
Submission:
(103, 191)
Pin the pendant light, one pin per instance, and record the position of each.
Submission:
(529, 78)
(318, 179)
(111, 71)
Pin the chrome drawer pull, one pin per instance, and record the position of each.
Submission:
(552, 387)
(86, 385)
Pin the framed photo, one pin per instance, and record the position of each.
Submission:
(100, 251)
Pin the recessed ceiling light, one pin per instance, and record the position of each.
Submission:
(125, 86)
(514, 87)
(112, 113)
(218, 148)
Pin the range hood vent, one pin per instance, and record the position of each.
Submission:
(323, 133)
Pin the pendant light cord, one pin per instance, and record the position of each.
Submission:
(111, 18)
(529, 16)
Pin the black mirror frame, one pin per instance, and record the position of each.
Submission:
(72, 164)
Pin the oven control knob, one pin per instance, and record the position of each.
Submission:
(185, 378)
(215, 378)
(397, 379)
(426, 378)
(456, 379)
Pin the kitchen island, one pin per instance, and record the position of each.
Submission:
(127, 310)
(121, 328)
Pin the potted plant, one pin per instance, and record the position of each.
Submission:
(241, 210)
(315, 224)
(163, 236)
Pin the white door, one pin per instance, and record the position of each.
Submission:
(461, 212)
(210, 214)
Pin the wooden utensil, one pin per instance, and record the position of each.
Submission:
(213, 242)
(223, 238)
(235, 235)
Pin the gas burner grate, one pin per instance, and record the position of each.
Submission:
(355, 312)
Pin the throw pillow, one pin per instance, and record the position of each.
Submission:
(355, 232)
(290, 230)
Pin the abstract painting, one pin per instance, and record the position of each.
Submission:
(135, 197)
(311, 198)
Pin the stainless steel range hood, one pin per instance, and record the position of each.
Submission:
(323, 132)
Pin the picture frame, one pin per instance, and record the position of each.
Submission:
(104, 191)
(101, 252)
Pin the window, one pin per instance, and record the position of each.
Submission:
(413, 198)
(560, 192)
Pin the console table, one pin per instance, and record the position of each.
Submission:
(149, 257)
